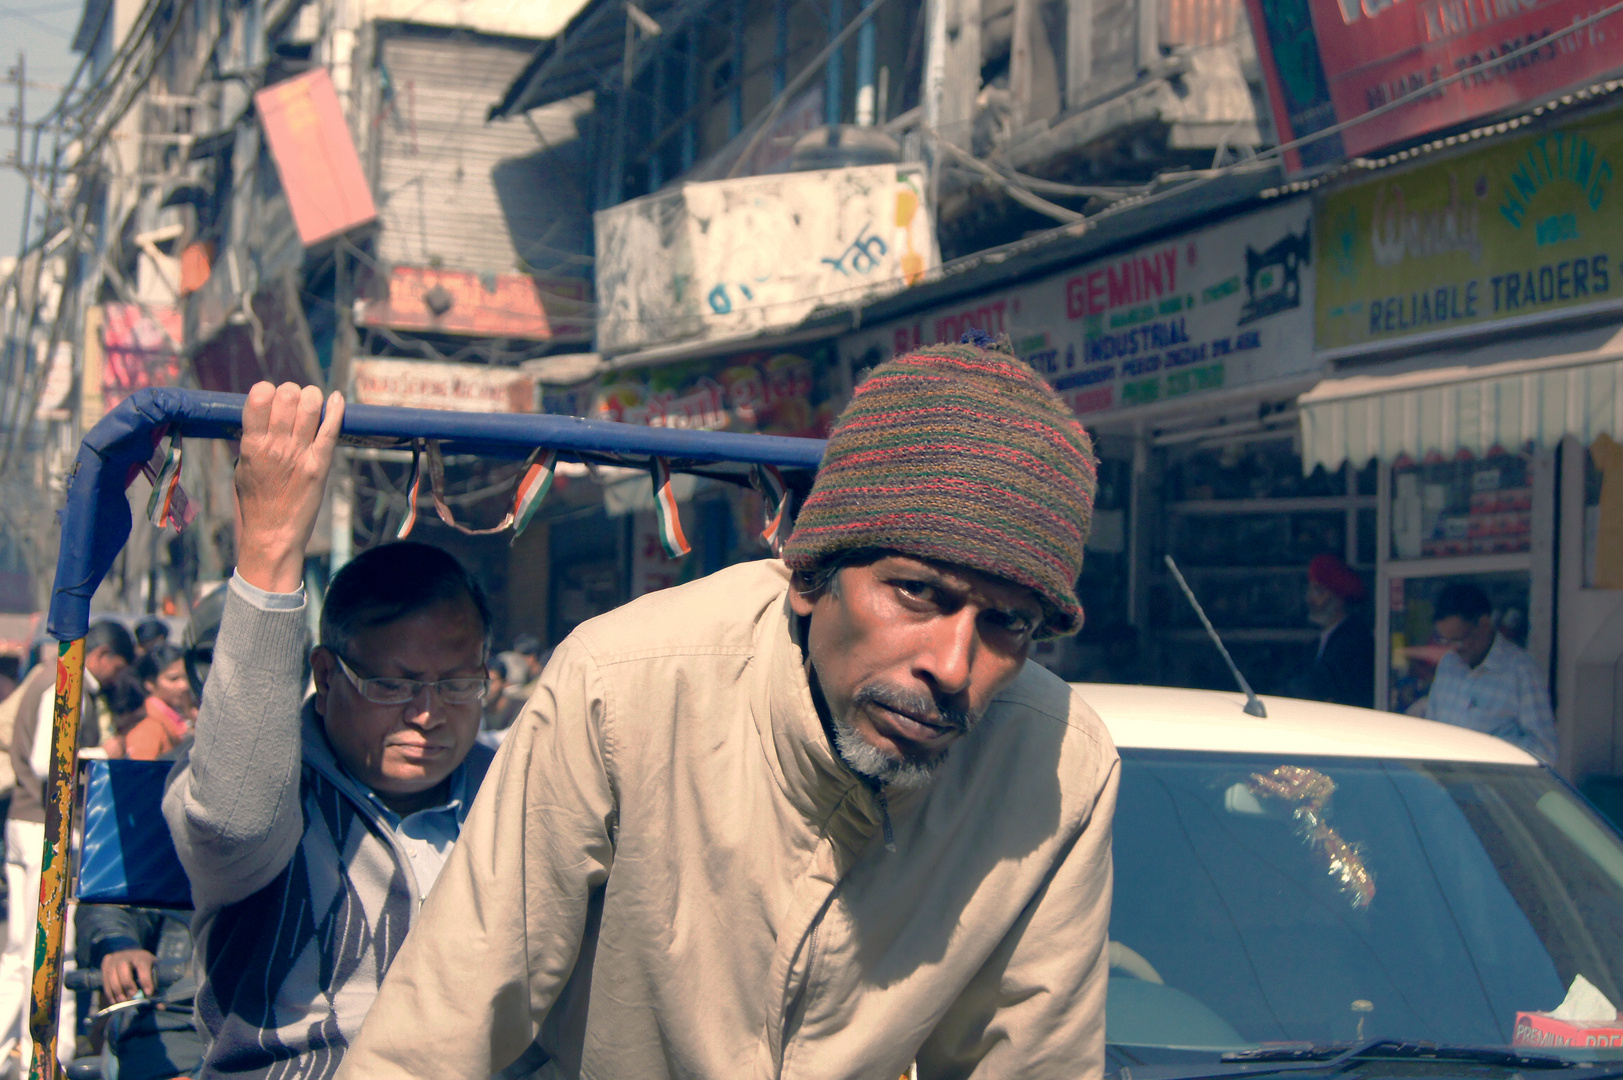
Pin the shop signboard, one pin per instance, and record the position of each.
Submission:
(1520, 232)
(1224, 307)
(315, 156)
(421, 384)
(785, 393)
(730, 259)
(489, 305)
(1331, 62)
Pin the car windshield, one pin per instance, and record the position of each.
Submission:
(1276, 901)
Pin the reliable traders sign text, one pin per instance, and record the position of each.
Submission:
(1526, 230)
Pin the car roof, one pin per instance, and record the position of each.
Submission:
(1171, 718)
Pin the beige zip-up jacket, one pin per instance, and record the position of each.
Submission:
(669, 873)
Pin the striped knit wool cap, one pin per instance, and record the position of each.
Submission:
(959, 454)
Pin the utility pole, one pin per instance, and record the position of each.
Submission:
(22, 112)
(19, 117)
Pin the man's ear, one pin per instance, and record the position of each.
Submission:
(322, 669)
(801, 598)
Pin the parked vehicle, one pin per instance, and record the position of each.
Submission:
(1337, 878)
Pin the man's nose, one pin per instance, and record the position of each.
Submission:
(427, 710)
(949, 656)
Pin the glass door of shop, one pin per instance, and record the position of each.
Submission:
(1488, 521)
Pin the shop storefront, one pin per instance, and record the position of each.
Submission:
(605, 546)
(1182, 357)
(1495, 274)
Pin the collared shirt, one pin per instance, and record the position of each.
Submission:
(427, 835)
(1504, 695)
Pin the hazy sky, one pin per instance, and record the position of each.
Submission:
(41, 29)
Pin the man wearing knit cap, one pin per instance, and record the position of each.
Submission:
(812, 818)
(1343, 669)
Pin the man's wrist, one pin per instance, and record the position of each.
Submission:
(272, 574)
(265, 600)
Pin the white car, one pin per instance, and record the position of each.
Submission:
(1291, 889)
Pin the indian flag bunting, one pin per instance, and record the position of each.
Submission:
(436, 486)
(410, 520)
(532, 489)
(169, 504)
(767, 480)
(671, 536)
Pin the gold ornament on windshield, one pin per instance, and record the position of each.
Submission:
(1307, 791)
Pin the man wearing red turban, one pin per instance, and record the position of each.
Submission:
(1343, 669)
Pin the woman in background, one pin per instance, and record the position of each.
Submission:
(170, 706)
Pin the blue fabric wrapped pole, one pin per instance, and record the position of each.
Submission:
(96, 517)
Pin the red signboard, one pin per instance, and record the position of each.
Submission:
(492, 305)
(315, 157)
(1334, 61)
(140, 348)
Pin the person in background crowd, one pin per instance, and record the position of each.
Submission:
(109, 649)
(817, 817)
(1343, 669)
(170, 707)
(527, 648)
(501, 709)
(150, 632)
(312, 827)
(1484, 682)
(127, 704)
(38, 680)
(127, 945)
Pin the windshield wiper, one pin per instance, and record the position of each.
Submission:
(1339, 1053)
(1275, 1061)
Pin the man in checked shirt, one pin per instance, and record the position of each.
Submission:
(1485, 682)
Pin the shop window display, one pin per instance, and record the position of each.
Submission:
(1243, 521)
(1467, 506)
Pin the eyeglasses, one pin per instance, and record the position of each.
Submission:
(388, 691)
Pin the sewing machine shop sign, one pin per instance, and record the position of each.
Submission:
(1224, 307)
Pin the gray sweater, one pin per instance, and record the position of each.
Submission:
(303, 893)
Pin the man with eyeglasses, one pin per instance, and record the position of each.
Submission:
(312, 827)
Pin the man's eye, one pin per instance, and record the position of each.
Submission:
(917, 590)
(1012, 622)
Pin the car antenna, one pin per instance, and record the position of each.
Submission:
(1253, 704)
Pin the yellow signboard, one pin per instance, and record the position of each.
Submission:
(1524, 230)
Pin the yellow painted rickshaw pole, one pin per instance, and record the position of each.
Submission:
(46, 1003)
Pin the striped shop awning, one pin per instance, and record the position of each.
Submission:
(1473, 401)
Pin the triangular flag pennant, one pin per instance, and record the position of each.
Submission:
(767, 480)
(671, 536)
(169, 504)
(408, 522)
(532, 489)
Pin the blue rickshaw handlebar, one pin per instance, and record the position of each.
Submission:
(96, 515)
